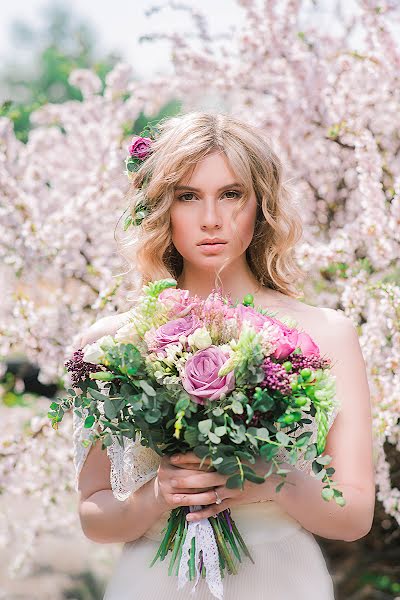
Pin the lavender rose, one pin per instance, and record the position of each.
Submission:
(158, 339)
(140, 147)
(200, 377)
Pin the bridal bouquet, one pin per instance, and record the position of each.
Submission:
(228, 382)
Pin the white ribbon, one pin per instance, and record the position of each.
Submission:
(203, 532)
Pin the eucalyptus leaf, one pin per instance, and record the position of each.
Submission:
(215, 439)
(205, 426)
(220, 431)
(327, 493)
(235, 481)
(150, 391)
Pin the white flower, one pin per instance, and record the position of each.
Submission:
(200, 338)
(105, 342)
(127, 334)
(93, 353)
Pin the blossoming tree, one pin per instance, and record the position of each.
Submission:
(332, 111)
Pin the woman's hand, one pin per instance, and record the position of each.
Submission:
(190, 463)
(186, 481)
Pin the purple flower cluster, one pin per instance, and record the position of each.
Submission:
(276, 377)
(80, 369)
(299, 361)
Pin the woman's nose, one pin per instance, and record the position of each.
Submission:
(210, 214)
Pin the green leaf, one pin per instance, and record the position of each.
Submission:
(327, 494)
(215, 439)
(97, 395)
(235, 481)
(153, 415)
(229, 466)
(339, 500)
(150, 391)
(279, 487)
(254, 477)
(90, 419)
(54, 405)
(190, 436)
(107, 440)
(282, 438)
(205, 426)
(311, 452)
(201, 451)
(268, 451)
(217, 412)
(110, 409)
(71, 392)
(220, 431)
(303, 439)
(237, 407)
(324, 460)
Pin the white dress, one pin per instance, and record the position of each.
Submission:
(288, 560)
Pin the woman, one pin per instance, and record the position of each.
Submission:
(212, 178)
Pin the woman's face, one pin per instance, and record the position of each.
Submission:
(202, 208)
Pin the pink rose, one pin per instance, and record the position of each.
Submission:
(200, 378)
(158, 339)
(140, 147)
(287, 342)
(178, 302)
(307, 345)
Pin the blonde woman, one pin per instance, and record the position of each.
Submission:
(220, 216)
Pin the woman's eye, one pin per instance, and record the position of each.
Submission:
(183, 195)
(237, 195)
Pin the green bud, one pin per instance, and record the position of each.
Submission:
(301, 401)
(306, 373)
(248, 300)
(287, 365)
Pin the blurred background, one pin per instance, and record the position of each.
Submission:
(77, 79)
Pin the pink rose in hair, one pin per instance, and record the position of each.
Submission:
(200, 377)
(158, 339)
(140, 147)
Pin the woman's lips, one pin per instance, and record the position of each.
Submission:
(211, 248)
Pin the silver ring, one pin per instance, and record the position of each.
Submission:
(218, 500)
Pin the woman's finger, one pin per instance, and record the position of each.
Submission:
(210, 511)
(188, 457)
(193, 499)
(196, 479)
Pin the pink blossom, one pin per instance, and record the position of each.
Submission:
(250, 314)
(178, 302)
(200, 378)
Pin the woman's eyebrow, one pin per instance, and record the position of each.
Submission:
(188, 187)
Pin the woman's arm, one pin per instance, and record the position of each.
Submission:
(349, 442)
(104, 519)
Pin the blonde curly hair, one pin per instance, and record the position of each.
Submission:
(182, 142)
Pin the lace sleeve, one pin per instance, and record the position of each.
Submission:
(131, 466)
(302, 464)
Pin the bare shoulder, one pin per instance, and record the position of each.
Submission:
(329, 328)
(105, 326)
